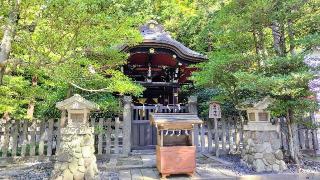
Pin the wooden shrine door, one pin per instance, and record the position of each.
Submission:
(143, 135)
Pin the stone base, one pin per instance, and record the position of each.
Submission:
(75, 157)
(262, 151)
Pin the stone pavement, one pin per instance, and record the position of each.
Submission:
(143, 167)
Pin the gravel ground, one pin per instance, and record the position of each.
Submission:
(239, 168)
(28, 171)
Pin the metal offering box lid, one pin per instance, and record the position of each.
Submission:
(174, 120)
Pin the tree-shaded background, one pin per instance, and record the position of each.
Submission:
(58, 48)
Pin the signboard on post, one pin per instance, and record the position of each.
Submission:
(214, 110)
(215, 113)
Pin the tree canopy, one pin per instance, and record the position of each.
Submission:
(57, 48)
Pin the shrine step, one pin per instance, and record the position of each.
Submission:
(143, 152)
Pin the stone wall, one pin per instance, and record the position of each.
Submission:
(75, 157)
(262, 151)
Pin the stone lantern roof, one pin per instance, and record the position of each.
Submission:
(76, 102)
(254, 105)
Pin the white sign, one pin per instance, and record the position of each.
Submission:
(214, 110)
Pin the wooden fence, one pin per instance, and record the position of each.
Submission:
(227, 139)
(20, 139)
(23, 138)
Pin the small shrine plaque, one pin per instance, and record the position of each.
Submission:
(214, 110)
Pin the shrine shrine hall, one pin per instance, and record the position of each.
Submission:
(163, 66)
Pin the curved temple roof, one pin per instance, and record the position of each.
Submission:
(154, 36)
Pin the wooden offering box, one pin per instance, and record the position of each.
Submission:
(175, 151)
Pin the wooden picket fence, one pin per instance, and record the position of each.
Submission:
(228, 138)
(23, 139)
(41, 138)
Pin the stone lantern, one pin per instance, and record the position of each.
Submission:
(262, 139)
(75, 155)
(78, 110)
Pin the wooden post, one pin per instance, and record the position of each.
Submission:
(237, 137)
(158, 137)
(315, 140)
(196, 136)
(229, 135)
(302, 138)
(202, 140)
(50, 134)
(307, 138)
(6, 139)
(175, 98)
(33, 129)
(224, 135)
(15, 138)
(310, 139)
(59, 131)
(161, 138)
(42, 137)
(108, 136)
(24, 138)
(192, 108)
(127, 125)
(116, 134)
(100, 136)
(209, 136)
(216, 137)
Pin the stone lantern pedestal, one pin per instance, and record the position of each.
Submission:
(261, 139)
(75, 155)
(262, 147)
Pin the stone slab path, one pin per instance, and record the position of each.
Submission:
(152, 174)
(143, 167)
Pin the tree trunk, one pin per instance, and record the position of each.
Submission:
(278, 38)
(255, 39)
(8, 35)
(291, 37)
(258, 37)
(31, 105)
(292, 139)
(2, 71)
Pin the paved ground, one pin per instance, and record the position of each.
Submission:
(142, 167)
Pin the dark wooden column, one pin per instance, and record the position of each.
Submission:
(175, 95)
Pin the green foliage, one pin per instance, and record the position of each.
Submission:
(70, 47)
(244, 64)
(67, 47)
(13, 95)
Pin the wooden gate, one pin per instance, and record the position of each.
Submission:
(144, 135)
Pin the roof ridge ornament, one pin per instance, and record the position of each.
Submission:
(152, 27)
(155, 36)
